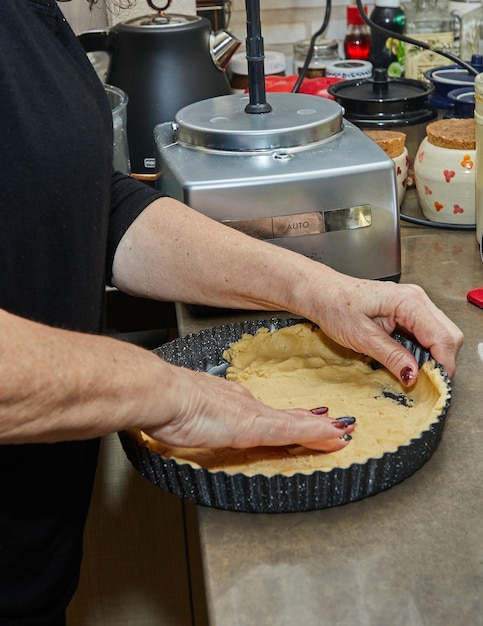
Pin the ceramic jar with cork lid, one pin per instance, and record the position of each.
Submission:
(445, 171)
(393, 143)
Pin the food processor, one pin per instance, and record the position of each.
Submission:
(291, 171)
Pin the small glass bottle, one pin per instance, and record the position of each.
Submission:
(357, 41)
(429, 21)
(385, 51)
(325, 50)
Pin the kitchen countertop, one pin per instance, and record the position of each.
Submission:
(409, 556)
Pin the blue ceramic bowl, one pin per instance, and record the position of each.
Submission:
(462, 102)
(449, 77)
(446, 78)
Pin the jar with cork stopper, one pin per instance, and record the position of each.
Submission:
(393, 143)
(445, 171)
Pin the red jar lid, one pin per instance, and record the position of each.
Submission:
(310, 86)
(353, 16)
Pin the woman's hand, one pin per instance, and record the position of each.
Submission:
(111, 385)
(213, 264)
(208, 411)
(362, 314)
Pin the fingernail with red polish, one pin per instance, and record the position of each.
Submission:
(407, 375)
(321, 410)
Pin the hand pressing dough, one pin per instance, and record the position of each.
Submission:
(299, 367)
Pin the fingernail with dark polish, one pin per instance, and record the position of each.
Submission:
(346, 437)
(407, 375)
(321, 410)
(348, 420)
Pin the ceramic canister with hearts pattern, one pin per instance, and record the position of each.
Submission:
(394, 145)
(445, 172)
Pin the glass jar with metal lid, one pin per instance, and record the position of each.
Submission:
(325, 50)
(273, 64)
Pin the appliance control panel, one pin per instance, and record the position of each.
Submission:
(301, 224)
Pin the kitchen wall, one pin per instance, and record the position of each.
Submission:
(285, 22)
(81, 18)
(102, 14)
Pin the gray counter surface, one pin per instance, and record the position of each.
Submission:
(410, 556)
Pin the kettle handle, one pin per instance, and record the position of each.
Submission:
(158, 9)
(95, 40)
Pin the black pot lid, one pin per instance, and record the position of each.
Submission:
(379, 99)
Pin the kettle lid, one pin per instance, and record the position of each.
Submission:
(161, 21)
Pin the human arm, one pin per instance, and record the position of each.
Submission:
(173, 253)
(60, 385)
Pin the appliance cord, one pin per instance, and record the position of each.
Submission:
(313, 39)
(420, 222)
(415, 42)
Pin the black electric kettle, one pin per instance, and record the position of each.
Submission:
(163, 62)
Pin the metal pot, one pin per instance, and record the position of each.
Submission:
(163, 62)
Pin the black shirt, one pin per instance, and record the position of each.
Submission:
(59, 228)
(62, 214)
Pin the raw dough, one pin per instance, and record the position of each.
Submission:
(299, 366)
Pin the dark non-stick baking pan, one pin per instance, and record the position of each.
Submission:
(203, 351)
